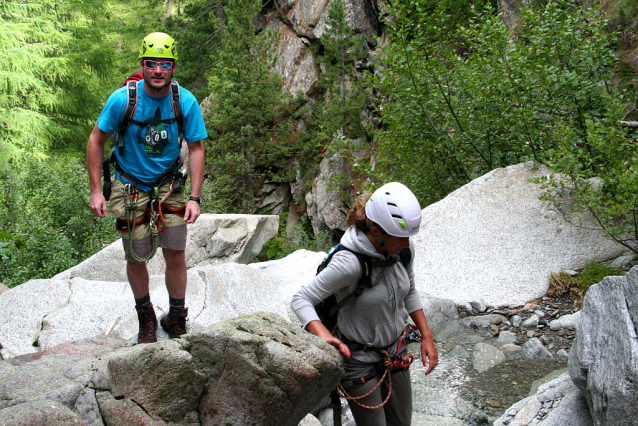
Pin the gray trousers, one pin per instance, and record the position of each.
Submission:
(396, 412)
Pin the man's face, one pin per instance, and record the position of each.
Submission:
(157, 72)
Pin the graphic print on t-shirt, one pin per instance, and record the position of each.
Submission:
(154, 136)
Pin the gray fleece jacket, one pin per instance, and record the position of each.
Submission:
(378, 316)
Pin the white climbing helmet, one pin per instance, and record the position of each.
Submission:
(395, 208)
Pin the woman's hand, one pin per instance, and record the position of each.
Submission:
(318, 329)
(341, 347)
(429, 355)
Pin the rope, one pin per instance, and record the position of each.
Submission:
(159, 208)
(387, 363)
(131, 194)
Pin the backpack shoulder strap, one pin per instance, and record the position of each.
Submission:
(129, 113)
(365, 281)
(177, 109)
(405, 256)
(366, 272)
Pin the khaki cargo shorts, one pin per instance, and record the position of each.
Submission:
(173, 237)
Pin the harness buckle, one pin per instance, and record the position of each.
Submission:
(179, 180)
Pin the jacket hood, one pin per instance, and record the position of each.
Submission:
(356, 240)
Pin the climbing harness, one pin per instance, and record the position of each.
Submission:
(154, 213)
(387, 365)
(390, 362)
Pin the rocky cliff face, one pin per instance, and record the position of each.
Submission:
(299, 25)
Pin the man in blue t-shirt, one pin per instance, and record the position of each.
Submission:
(150, 211)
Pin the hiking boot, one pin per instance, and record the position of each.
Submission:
(174, 323)
(148, 324)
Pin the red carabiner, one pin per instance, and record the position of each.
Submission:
(403, 362)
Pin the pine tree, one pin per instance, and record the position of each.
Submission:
(52, 61)
(246, 146)
(345, 94)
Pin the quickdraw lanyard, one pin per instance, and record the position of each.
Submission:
(157, 223)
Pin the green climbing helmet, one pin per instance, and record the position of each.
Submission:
(158, 45)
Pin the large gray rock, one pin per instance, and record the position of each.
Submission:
(280, 371)
(324, 205)
(22, 309)
(39, 413)
(41, 314)
(603, 362)
(493, 239)
(212, 240)
(557, 403)
(307, 18)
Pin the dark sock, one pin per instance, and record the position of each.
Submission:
(146, 300)
(175, 306)
(175, 303)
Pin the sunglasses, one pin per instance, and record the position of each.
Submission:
(151, 65)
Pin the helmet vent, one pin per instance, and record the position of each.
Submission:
(391, 204)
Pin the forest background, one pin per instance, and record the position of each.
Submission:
(453, 94)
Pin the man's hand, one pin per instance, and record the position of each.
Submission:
(192, 212)
(98, 204)
(94, 153)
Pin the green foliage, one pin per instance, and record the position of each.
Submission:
(193, 26)
(44, 211)
(53, 65)
(456, 115)
(335, 126)
(623, 21)
(593, 273)
(345, 96)
(296, 238)
(575, 287)
(251, 136)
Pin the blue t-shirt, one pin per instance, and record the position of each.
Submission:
(151, 150)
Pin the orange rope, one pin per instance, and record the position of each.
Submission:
(387, 362)
(159, 213)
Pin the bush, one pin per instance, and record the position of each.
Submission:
(293, 239)
(575, 287)
(45, 219)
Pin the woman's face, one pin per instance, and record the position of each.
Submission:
(394, 245)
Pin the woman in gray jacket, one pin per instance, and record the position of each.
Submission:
(370, 327)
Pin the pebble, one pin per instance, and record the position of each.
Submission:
(498, 319)
(517, 320)
(531, 322)
(510, 347)
(507, 337)
(479, 306)
(534, 348)
(563, 353)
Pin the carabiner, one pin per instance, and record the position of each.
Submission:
(403, 362)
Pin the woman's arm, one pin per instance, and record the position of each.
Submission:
(318, 329)
(428, 351)
(343, 271)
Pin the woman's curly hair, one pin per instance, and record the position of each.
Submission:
(357, 215)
